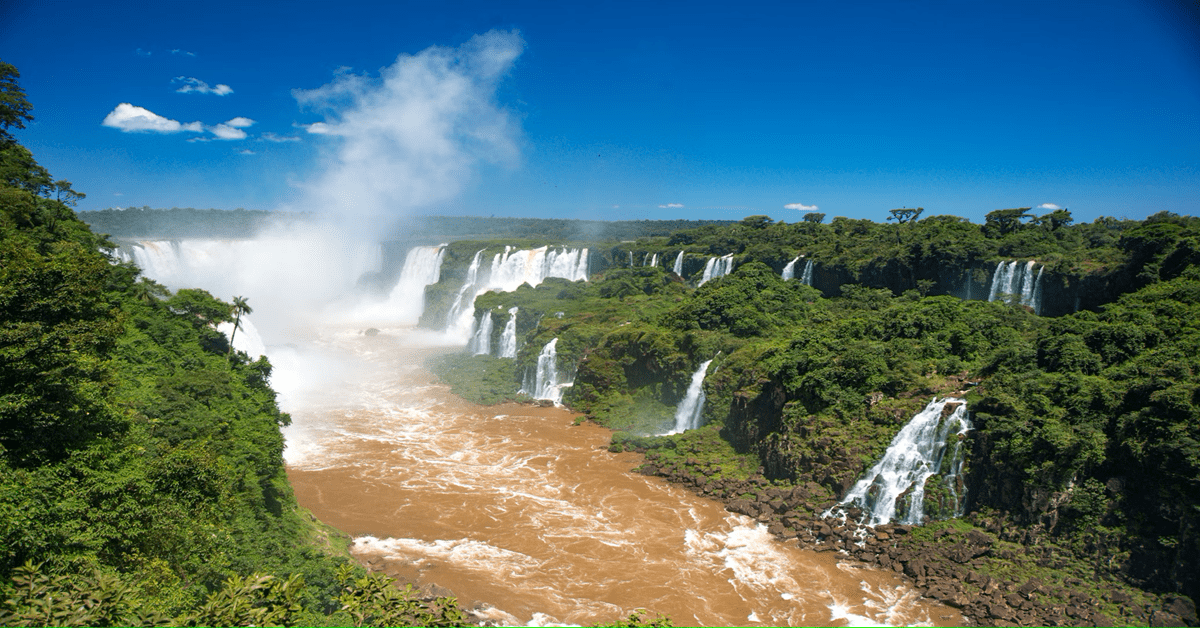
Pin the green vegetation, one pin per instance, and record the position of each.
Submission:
(141, 470)
(1086, 424)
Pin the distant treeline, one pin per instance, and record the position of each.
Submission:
(244, 223)
(185, 222)
(475, 227)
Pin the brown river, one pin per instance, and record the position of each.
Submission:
(527, 517)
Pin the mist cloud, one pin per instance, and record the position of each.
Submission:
(671, 206)
(1048, 206)
(802, 207)
(413, 136)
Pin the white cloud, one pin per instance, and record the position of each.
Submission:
(143, 53)
(271, 137)
(130, 118)
(671, 205)
(240, 122)
(118, 194)
(225, 132)
(177, 51)
(246, 151)
(200, 87)
(1050, 206)
(316, 128)
(801, 206)
(414, 135)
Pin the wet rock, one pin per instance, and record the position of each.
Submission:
(1000, 611)
(1182, 607)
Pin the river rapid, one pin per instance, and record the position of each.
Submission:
(526, 516)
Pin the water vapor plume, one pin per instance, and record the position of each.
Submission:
(413, 136)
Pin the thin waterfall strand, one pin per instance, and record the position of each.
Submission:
(689, 411)
(508, 339)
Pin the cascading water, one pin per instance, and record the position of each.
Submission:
(1010, 282)
(716, 267)
(678, 267)
(481, 341)
(422, 267)
(631, 259)
(509, 270)
(688, 412)
(789, 271)
(897, 481)
(545, 384)
(654, 260)
(806, 276)
(247, 338)
(508, 339)
(462, 313)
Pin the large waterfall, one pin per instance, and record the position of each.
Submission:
(422, 267)
(546, 384)
(508, 339)
(688, 412)
(1012, 281)
(481, 340)
(677, 268)
(919, 451)
(716, 267)
(508, 271)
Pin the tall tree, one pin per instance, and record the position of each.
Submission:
(239, 307)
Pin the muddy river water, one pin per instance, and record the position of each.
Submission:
(527, 517)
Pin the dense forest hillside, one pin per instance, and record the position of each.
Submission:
(1082, 470)
(141, 476)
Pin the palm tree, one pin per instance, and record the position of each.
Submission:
(239, 307)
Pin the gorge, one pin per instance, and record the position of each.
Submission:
(633, 373)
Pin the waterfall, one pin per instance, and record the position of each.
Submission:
(481, 342)
(509, 270)
(789, 271)
(631, 259)
(1011, 282)
(897, 481)
(678, 267)
(246, 339)
(422, 267)
(462, 311)
(687, 413)
(546, 385)
(508, 340)
(716, 267)
(806, 276)
(654, 260)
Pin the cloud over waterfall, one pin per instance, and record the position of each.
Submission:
(414, 135)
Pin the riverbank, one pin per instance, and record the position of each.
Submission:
(994, 572)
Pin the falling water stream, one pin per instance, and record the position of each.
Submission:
(527, 517)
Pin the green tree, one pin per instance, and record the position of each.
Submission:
(905, 214)
(240, 307)
(14, 107)
(814, 217)
(1005, 221)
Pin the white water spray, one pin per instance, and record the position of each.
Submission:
(689, 411)
(716, 267)
(917, 453)
(545, 384)
(678, 267)
(1012, 282)
(508, 339)
(481, 341)
(789, 271)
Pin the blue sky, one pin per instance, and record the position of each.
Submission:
(616, 110)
